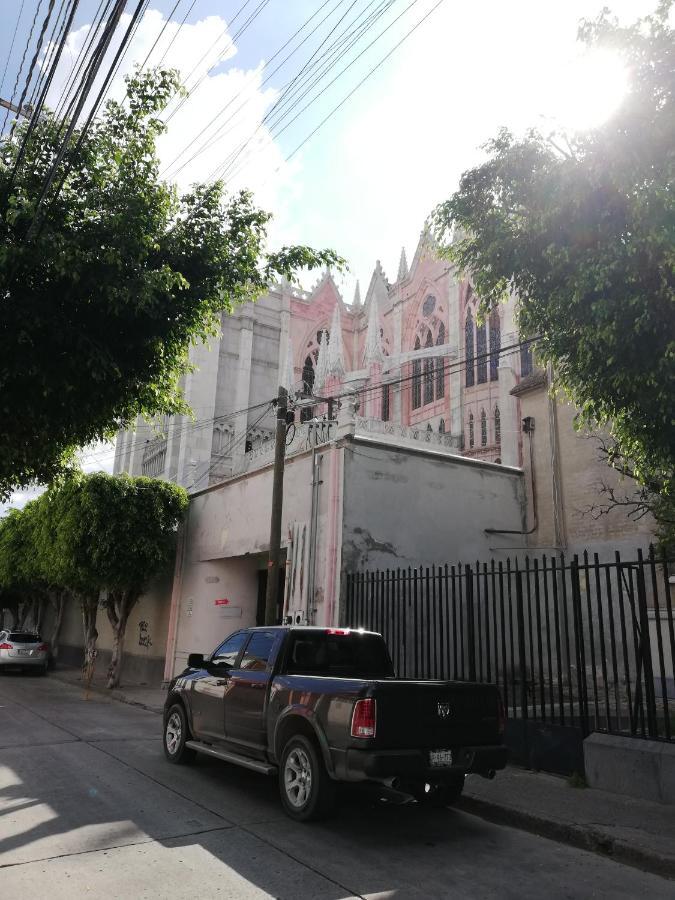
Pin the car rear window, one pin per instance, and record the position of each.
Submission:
(346, 655)
(24, 637)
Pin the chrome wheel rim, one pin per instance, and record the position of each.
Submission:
(298, 777)
(174, 730)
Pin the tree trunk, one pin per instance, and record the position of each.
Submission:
(58, 600)
(119, 607)
(89, 611)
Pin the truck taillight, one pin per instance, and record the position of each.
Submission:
(43, 648)
(363, 718)
(6, 646)
(501, 715)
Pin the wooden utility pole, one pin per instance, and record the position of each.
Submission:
(272, 596)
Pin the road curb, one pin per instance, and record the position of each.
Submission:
(120, 696)
(584, 837)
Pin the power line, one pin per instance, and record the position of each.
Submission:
(11, 45)
(23, 59)
(363, 80)
(250, 81)
(289, 90)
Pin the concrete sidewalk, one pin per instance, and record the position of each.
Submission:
(144, 695)
(634, 832)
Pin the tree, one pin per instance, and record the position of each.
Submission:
(135, 541)
(107, 282)
(582, 229)
(24, 584)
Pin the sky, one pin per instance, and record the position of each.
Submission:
(365, 182)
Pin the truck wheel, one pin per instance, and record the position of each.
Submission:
(176, 733)
(437, 796)
(306, 789)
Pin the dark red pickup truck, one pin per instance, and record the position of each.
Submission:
(318, 706)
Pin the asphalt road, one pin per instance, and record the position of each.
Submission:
(90, 808)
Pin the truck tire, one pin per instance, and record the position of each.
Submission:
(176, 733)
(438, 796)
(306, 789)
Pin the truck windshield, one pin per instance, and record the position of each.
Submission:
(340, 655)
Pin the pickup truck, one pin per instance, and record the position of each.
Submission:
(318, 706)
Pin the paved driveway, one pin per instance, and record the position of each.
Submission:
(89, 808)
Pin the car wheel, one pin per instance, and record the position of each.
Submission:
(176, 733)
(438, 796)
(307, 791)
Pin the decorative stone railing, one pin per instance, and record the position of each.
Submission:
(412, 435)
(298, 438)
(154, 457)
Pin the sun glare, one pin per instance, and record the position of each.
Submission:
(590, 90)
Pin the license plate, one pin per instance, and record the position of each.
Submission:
(440, 759)
(23, 652)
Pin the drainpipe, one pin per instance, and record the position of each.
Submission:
(313, 530)
(176, 591)
(528, 428)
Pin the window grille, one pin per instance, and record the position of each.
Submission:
(417, 379)
(471, 431)
(498, 427)
(440, 368)
(429, 373)
(495, 345)
(483, 428)
(385, 402)
(481, 351)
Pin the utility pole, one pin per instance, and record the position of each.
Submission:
(26, 112)
(272, 596)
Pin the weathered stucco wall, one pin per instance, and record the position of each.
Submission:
(409, 509)
(145, 643)
(581, 472)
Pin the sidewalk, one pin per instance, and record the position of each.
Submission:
(635, 832)
(143, 695)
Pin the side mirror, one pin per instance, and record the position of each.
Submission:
(196, 661)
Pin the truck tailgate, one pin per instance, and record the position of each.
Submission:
(436, 714)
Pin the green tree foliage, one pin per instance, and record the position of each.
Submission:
(87, 537)
(582, 229)
(103, 293)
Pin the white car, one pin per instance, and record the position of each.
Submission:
(24, 649)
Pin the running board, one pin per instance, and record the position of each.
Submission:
(254, 764)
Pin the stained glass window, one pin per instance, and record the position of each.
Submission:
(385, 402)
(483, 428)
(498, 427)
(495, 345)
(471, 431)
(429, 373)
(417, 380)
(481, 354)
(468, 348)
(440, 368)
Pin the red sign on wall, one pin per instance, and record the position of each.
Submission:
(222, 602)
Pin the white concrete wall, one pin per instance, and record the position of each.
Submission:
(409, 509)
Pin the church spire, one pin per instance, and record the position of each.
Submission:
(402, 266)
(373, 348)
(336, 362)
(357, 295)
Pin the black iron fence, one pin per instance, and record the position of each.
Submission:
(571, 642)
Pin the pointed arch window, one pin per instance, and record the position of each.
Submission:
(468, 348)
(440, 368)
(385, 403)
(308, 376)
(481, 354)
(441, 426)
(429, 373)
(417, 379)
(495, 344)
(472, 435)
(498, 427)
(483, 428)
